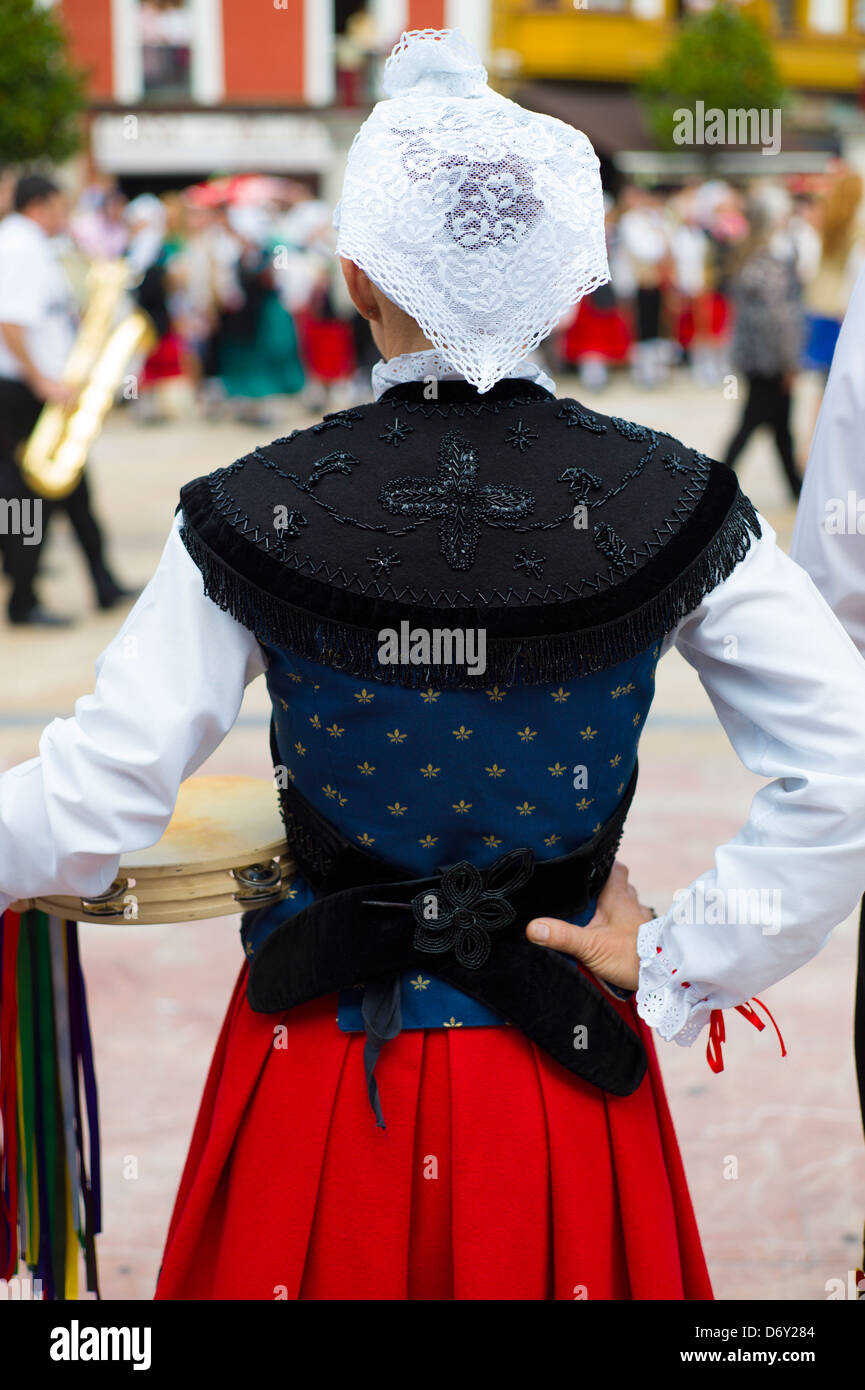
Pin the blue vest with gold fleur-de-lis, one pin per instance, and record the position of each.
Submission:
(429, 777)
(573, 541)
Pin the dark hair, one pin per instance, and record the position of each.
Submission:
(33, 188)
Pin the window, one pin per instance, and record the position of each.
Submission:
(166, 47)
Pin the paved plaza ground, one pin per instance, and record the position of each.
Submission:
(791, 1219)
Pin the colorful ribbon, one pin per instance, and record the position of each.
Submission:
(50, 1205)
(718, 1032)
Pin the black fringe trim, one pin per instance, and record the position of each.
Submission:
(547, 657)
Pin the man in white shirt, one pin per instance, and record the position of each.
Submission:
(37, 330)
(829, 538)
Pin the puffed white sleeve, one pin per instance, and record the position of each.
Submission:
(168, 689)
(829, 536)
(789, 688)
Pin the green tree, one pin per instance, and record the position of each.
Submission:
(721, 58)
(42, 93)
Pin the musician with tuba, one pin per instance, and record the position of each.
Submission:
(37, 336)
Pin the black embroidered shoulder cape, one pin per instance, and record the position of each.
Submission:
(575, 539)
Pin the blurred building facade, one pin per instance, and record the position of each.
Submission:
(180, 89)
(579, 59)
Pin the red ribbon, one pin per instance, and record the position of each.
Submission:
(718, 1032)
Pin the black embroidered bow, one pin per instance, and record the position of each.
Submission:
(468, 906)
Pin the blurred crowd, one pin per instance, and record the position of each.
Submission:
(238, 275)
(740, 286)
(683, 268)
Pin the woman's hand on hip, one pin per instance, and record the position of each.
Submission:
(608, 945)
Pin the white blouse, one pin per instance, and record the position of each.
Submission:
(829, 538)
(170, 684)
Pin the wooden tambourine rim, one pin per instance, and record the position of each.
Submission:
(191, 886)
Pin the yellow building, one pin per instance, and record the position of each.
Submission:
(819, 44)
(579, 59)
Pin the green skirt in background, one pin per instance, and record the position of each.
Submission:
(268, 366)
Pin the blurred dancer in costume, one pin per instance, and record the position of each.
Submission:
(256, 340)
(767, 336)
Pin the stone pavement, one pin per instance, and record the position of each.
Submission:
(792, 1217)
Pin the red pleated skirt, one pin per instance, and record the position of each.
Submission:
(499, 1176)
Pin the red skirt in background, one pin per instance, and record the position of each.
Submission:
(500, 1175)
(707, 314)
(166, 360)
(327, 346)
(595, 332)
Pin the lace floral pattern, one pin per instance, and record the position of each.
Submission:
(677, 1009)
(430, 364)
(482, 220)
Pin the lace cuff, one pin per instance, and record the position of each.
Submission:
(675, 1008)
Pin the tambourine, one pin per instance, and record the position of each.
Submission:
(224, 851)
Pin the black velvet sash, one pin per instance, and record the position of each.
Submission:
(464, 925)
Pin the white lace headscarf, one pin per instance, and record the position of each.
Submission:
(483, 221)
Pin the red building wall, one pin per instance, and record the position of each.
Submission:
(263, 49)
(426, 14)
(88, 24)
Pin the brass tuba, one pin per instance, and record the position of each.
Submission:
(53, 459)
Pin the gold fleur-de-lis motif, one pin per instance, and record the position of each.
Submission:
(428, 841)
(430, 771)
(365, 768)
(620, 789)
(451, 1023)
(557, 769)
(637, 718)
(496, 695)
(462, 733)
(293, 677)
(300, 750)
(588, 733)
(364, 697)
(249, 949)
(397, 809)
(290, 774)
(495, 770)
(330, 792)
(342, 800)
(584, 803)
(419, 982)
(429, 696)
(623, 690)
(614, 762)
(561, 695)
(316, 686)
(552, 839)
(315, 721)
(334, 730)
(291, 892)
(527, 734)
(396, 737)
(525, 809)
(366, 839)
(491, 841)
(654, 651)
(461, 807)
(284, 703)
